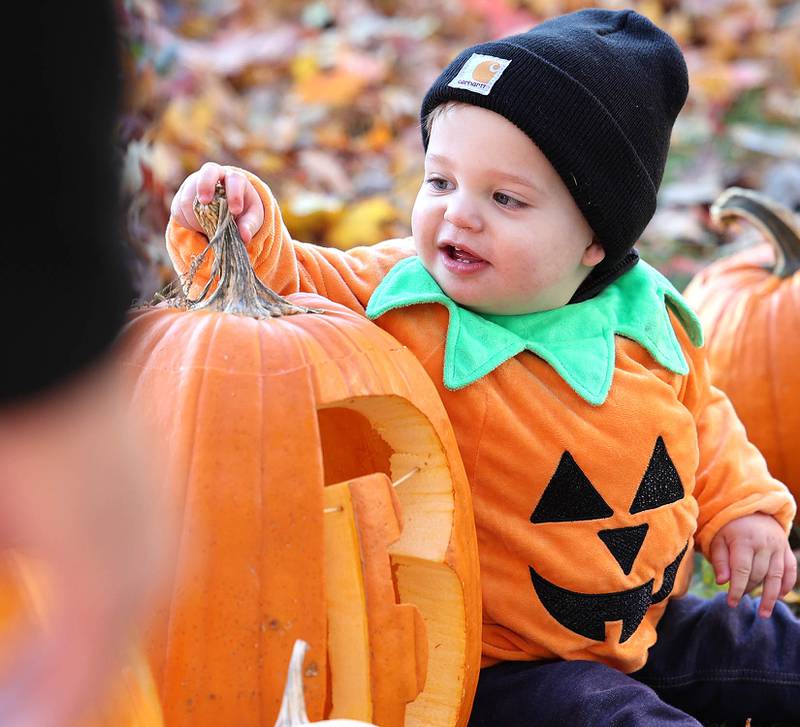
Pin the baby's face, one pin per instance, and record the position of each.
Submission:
(493, 223)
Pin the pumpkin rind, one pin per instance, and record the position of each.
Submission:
(751, 317)
(236, 400)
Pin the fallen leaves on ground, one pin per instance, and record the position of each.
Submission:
(321, 100)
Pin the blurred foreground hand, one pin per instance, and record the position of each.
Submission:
(77, 497)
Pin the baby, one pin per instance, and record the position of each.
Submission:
(598, 453)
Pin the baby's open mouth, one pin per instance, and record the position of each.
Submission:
(462, 255)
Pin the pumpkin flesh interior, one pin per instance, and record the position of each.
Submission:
(346, 603)
(435, 590)
(420, 557)
(396, 630)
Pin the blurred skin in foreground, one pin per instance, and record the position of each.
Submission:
(75, 496)
(78, 540)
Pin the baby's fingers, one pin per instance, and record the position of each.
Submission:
(741, 564)
(772, 584)
(763, 565)
(720, 560)
(252, 216)
(789, 570)
(244, 203)
(235, 185)
(181, 209)
(243, 200)
(207, 178)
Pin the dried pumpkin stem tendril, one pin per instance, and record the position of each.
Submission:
(238, 291)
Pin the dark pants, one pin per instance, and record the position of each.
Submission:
(710, 663)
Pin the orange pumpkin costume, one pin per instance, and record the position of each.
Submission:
(590, 489)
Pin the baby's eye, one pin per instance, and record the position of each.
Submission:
(505, 200)
(438, 184)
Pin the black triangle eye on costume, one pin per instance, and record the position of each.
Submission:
(661, 483)
(569, 496)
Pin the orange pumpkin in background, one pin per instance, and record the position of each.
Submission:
(749, 304)
(319, 495)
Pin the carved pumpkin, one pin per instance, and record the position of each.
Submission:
(749, 304)
(284, 434)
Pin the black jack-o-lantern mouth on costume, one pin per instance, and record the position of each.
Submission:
(570, 496)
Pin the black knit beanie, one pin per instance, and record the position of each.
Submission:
(598, 92)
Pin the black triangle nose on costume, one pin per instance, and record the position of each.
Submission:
(624, 544)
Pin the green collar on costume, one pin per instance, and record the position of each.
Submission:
(577, 340)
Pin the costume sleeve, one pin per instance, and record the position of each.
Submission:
(287, 266)
(732, 478)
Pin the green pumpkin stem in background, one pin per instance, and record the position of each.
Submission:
(775, 222)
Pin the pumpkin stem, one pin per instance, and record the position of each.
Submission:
(238, 291)
(774, 221)
(293, 706)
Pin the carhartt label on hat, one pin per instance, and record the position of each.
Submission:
(480, 73)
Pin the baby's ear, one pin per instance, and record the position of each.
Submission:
(593, 254)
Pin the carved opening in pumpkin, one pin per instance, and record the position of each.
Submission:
(373, 434)
(350, 446)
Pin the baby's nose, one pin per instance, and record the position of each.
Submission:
(463, 212)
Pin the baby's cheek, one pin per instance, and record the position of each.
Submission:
(423, 229)
(521, 271)
(417, 217)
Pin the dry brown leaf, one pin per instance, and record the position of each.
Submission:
(364, 223)
(792, 597)
(336, 88)
(309, 216)
(325, 171)
(379, 137)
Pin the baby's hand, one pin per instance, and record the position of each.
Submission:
(243, 200)
(751, 550)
